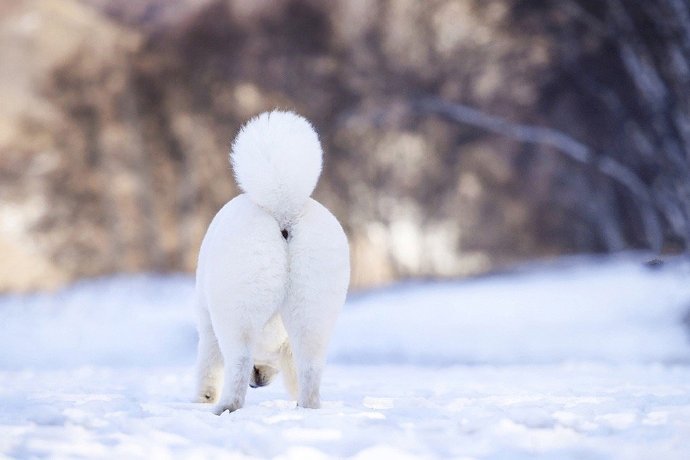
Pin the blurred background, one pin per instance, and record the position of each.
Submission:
(461, 137)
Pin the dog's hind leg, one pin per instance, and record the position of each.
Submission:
(286, 361)
(242, 321)
(309, 352)
(237, 357)
(318, 278)
(209, 366)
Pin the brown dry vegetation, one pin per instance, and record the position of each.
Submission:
(116, 118)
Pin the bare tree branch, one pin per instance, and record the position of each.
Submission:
(578, 12)
(564, 144)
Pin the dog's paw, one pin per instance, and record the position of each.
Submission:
(218, 409)
(206, 397)
(311, 404)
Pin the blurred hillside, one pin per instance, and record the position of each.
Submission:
(116, 119)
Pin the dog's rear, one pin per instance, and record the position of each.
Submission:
(273, 269)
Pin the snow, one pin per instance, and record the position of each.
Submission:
(588, 358)
(617, 311)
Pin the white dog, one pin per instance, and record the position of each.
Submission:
(273, 270)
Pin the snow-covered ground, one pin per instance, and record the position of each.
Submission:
(589, 358)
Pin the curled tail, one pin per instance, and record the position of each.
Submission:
(277, 161)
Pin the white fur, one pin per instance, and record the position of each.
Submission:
(263, 301)
(277, 161)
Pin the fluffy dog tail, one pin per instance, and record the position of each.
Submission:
(277, 161)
